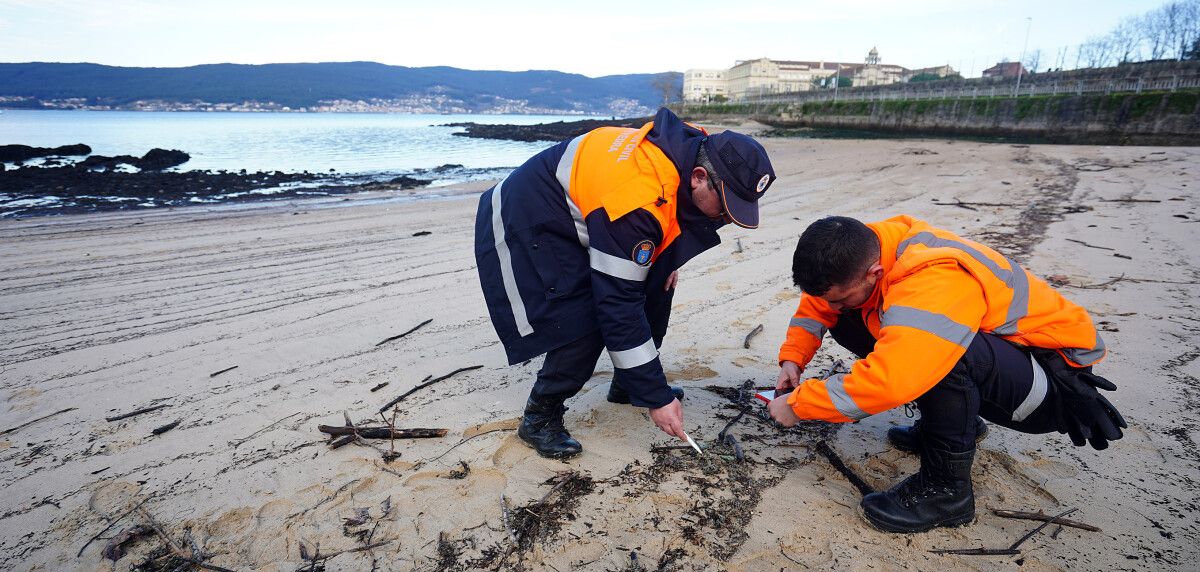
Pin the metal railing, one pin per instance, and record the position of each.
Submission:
(1029, 87)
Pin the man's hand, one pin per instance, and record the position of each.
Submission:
(782, 412)
(669, 418)
(789, 376)
(672, 280)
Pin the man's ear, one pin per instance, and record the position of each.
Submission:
(699, 178)
(876, 270)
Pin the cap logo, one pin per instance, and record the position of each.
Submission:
(762, 183)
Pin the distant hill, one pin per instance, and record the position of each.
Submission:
(363, 86)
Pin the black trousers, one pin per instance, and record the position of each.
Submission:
(568, 367)
(993, 380)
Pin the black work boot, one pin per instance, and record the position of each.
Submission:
(940, 494)
(908, 439)
(542, 428)
(618, 395)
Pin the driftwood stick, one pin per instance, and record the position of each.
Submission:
(28, 423)
(135, 412)
(380, 386)
(1099, 286)
(1089, 245)
(111, 523)
(977, 551)
(837, 462)
(512, 535)
(427, 384)
(564, 478)
(1044, 517)
(342, 441)
(756, 331)
(415, 328)
(252, 435)
(216, 373)
(383, 432)
(1130, 200)
(165, 428)
(320, 556)
(174, 548)
(1030, 534)
(455, 446)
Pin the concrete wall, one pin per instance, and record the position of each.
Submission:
(1113, 119)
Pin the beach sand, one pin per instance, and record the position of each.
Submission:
(106, 314)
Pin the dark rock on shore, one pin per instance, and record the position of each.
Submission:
(15, 153)
(407, 182)
(154, 160)
(556, 131)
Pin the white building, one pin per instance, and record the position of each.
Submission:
(702, 85)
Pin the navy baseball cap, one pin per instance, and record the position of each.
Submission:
(745, 173)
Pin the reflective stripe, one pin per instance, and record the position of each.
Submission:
(842, 400)
(631, 358)
(1037, 393)
(566, 164)
(506, 268)
(817, 329)
(926, 321)
(1014, 277)
(618, 267)
(1085, 357)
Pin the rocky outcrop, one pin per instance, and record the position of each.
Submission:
(557, 131)
(17, 153)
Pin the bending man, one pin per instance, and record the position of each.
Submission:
(577, 251)
(948, 323)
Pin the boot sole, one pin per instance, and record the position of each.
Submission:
(550, 455)
(886, 527)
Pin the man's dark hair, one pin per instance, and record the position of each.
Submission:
(833, 251)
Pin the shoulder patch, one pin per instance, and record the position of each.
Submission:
(643, 252)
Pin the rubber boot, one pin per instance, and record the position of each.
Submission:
(908, 439)
(542, 428)
(940, 494)
(618, 395)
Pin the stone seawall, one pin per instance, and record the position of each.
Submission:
(1162, 118)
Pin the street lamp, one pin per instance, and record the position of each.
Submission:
(1021, 62)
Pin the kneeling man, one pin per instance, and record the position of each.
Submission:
(956, 327)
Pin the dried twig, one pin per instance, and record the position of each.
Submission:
(111, 523)
(1101, 285)
(1043, 517)
(756, 331)
(1011, 549)
(455, 446)
(1089, 245)
(828, 452)
(165, 428)
(252, 435)
(1030, 534)
(28, 423)
(512, 535)
(415, 328)
(1130, 200)
(380, 386)
(427, 384)
(383, 432)
(174, 548)
(135, 412)
(319, 556)
(216, 373)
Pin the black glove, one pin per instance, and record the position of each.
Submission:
(1083, 413)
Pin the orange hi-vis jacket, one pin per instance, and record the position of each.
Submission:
(937, 291)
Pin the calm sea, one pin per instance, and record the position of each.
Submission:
(290, 142)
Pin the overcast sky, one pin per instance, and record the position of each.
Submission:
(591, 38)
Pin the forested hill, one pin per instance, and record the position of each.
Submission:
(362, 86)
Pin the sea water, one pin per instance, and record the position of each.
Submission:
(354, 143)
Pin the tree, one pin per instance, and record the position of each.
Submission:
(924, 76)
(669, 86)
(1032, 60)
